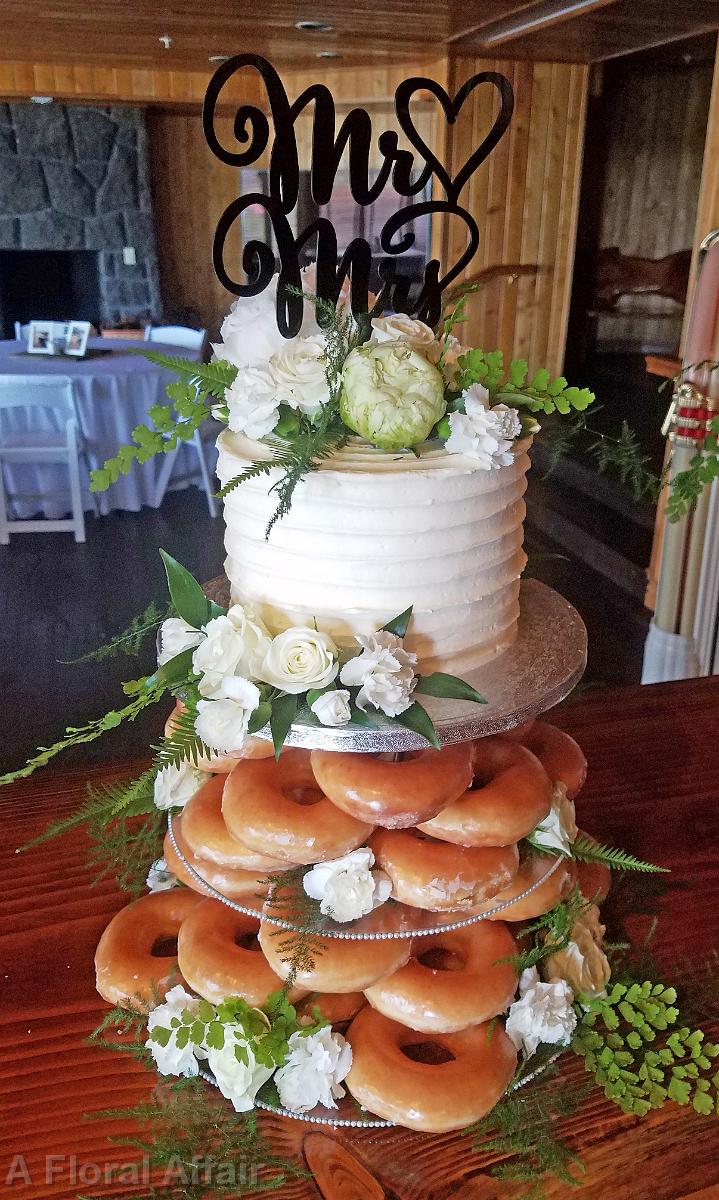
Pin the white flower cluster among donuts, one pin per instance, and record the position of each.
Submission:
(235, 1041)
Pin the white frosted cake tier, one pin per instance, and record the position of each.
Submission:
(372, 532)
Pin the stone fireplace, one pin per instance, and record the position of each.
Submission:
(75, 178)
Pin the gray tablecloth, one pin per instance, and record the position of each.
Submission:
(113, 393)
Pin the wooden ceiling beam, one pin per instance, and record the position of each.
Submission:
(527, 19)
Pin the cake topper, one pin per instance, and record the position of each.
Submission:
(409, 171)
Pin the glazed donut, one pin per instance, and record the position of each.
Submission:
(451, 981)
(336, 1007)
(436, 1083)
(394, 794)
(440, 876)
(220, 763)
(338, 964)
(219, 956)
(510, 794)
(246, 886)
(277, 809)
(532, 867)
(559, 754)
(207, 836)
(131, 962)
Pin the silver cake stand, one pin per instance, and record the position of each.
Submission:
(540, 668)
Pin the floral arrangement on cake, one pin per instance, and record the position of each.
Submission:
(391, 380)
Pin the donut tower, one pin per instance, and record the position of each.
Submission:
(416, 985)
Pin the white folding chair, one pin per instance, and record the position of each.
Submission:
(167, 463)
(22, 332)
(28, 446)
(176, 335)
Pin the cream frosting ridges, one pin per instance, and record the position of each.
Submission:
(371, 533)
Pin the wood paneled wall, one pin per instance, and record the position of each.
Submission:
(525, 199)
(68, 81)
(190, 189)
(707, 218)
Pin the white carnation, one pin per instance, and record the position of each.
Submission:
(170, 1059)
(175, 636)
(558, 830)
(332, 707)
(312, 1073)
(249, 335)
(543, 1014)
(238, 1081)
(299, 374)
(384, 673)
(346, 887)
(482, 432)
(174, 786)
(299, 659)
(233, 645)
(399, 327)
(160, 877)
(222, 723)
(252, 404)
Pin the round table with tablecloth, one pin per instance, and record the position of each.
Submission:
(114, 389)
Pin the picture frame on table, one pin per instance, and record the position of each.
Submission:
(76, 338)
(40, 338)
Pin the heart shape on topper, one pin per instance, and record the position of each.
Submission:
(452, 106)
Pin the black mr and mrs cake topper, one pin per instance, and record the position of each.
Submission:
(409, 171)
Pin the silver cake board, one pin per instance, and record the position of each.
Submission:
(540, 668)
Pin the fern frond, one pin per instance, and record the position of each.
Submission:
(129, 640)
(623, 454)
(183, 744)
(213, 378)
(587, 850)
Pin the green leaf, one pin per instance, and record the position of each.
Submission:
(260, 717)
(185, 592)
(360, 717)
(418, 719)
(448, 686)
(284, 710)
(398, 625)
(175, 670)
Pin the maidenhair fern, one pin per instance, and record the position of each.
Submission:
(621, 1041)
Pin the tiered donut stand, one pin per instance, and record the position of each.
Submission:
(541, 668)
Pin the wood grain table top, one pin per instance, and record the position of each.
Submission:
(652, 788)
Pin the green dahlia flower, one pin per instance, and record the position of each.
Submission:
(391, 395)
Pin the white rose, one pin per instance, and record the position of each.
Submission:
(346, 887)
(252, 403)
(391, 394)
(170, 1059)
(233, 645)
(559, 829)
(222, 723)
(400, 327)
(160, 877)
(313, 1071)
(482, 432)
(333, 707)
(175, 636)
(543, 1014)
(299, 659)
(299, 372)
(249, 335)
(384, 673)
(238, 1081)
(174, 786)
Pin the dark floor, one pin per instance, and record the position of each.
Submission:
(58, 600)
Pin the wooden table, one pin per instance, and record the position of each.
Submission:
(654, 764)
